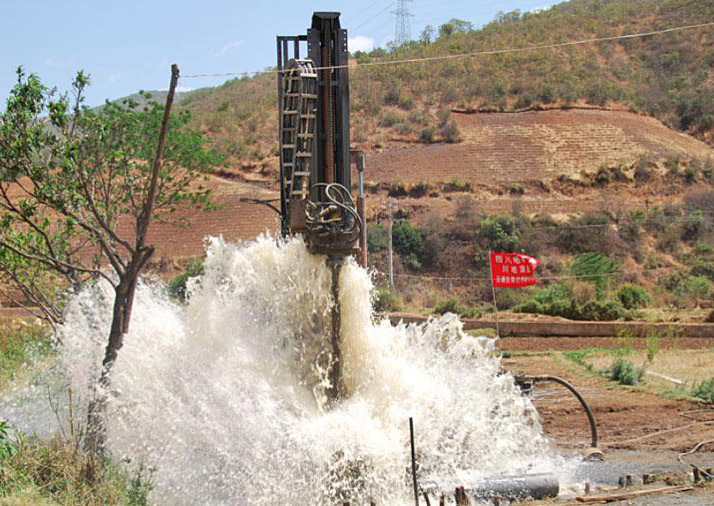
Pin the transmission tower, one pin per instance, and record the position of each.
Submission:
(402, 32)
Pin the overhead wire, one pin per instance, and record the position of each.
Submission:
(474, 54)
(349, 18)
(554, 277)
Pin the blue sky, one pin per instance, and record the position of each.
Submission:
(129, 45)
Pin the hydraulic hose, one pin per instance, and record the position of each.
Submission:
(583, 402)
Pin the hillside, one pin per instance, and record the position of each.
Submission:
(669, 77)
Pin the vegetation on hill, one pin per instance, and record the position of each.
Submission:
(595, 265)
(670, 76)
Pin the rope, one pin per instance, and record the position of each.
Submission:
(492, 52)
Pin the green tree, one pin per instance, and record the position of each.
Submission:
(70, 175)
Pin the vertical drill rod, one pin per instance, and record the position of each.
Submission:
(335, 373)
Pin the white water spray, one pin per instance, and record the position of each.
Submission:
(226, 397)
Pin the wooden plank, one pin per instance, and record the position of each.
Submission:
(630, 495)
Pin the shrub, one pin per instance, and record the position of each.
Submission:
(656, 221)
(589, 232)
(499, 233)
(391, 97)
(406, 103)
(450, 132)
(608, 310)
(419, 189)
(452, 305)
(694, 226)
(387, 300)
(630, 228)
(698, 287)
(624, 372)
(389, 119)
(704, 390)
(408, 242)
(427, 134)
(397, 189)
(710, 317)
(377, 238)
(632, 296)
(583, 292)
(644, 170)
(703, 248)
(653, 344)
(594, 268)
(176, 287)
(457, 185)
(602, 177)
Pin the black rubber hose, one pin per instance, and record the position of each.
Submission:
(583, 402)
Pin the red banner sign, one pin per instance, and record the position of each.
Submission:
(512, 270)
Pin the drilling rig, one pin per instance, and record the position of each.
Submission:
(315, 183)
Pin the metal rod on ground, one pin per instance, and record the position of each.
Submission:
(493, 291)
(414, 475)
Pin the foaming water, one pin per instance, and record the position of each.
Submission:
(225, 397)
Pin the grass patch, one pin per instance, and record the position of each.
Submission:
(59, 472)
(20, 347)
(704, 390)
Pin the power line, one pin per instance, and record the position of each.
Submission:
(492, 52)
(389, 6)
(477, 278)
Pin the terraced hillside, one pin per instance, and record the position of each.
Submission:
(668, 76)
(536, 146)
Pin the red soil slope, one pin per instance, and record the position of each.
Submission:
(535, 146)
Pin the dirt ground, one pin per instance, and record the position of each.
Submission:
(639, 431)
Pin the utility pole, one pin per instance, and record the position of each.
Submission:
(390, 206)
(402, 32)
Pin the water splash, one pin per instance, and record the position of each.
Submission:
(226, 396)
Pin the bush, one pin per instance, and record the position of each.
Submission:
(427, 134)
(594, 268)
(397, 189)
(567, 308)
(457, 185)
(452, 305)
(176, 287)
(389, 119)
(704, 390)
(608, 310)
(624, 372)
(408, 242)
(630, 228)
(694, 226)
(583, 292)
(386, 300)
(499, 233)
(419, 189)
(632, 296)
(698, 287)
(377, 238)
(450, 132)
(590, 232)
